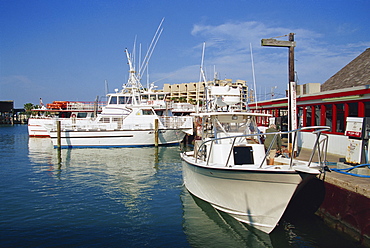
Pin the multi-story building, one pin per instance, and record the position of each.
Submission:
(194, 92)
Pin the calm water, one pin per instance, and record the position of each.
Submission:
(122, 197)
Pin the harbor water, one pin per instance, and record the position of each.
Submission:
(121, 197)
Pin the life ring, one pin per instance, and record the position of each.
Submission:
(73, 115)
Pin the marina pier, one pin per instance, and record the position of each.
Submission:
(345, 206)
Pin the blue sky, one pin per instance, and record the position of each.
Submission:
(66, 49)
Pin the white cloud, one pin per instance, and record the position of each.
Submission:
(228, 49)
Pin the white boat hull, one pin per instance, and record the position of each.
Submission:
(257, 197)
(37, 127)
(116, 138)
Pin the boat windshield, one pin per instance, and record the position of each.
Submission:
(121, 100)
(235, 125)
(145, 112)
(113, 100)
(124, 100)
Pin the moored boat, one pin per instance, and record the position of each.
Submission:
(124, 127)
(67, 112)
(228, 168)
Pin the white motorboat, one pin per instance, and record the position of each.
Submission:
(121, 126)
(228, 168)
(67, 112)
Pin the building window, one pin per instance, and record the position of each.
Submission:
(367, 108)
(353, 109)
(340, 118)
(328, 115)
(317, 115)
(309, 116)
(300, 117)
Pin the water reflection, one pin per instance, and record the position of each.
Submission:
(99, 197)
(134, 196)
(208, 227)
(124, 174)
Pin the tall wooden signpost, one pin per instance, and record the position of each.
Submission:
(292, 105)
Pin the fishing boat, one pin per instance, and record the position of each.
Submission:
(67, 112)
(227, 168)
(121, 126)
(133, 116)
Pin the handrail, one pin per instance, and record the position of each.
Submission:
(228, 158)
(318, 143)
(269, 148)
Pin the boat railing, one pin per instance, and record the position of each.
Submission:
(85, 106)
(204, 150)
(86, 126)
(177, 121)
(172, 122)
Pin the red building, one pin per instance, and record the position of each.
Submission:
(346, 94)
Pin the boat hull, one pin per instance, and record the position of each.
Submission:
(252, 196)
(37, 127)
(116, 138)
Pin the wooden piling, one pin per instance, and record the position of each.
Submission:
(156, 132)
(59, 143)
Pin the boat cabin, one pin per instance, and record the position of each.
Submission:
(223, 140)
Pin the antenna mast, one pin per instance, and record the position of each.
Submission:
(254, 77)
(149, 53)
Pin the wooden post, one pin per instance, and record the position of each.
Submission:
(12, 119)
(59, 144)
(291, 59)
(58, 135)
(291, 84)
(292, 96)
(156, 132)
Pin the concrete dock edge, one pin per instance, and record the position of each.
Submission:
(346, 206)
(346, 203)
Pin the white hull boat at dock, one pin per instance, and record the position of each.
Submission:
(68, 112)
(228, 169)
(117, 138)
(123, 127)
